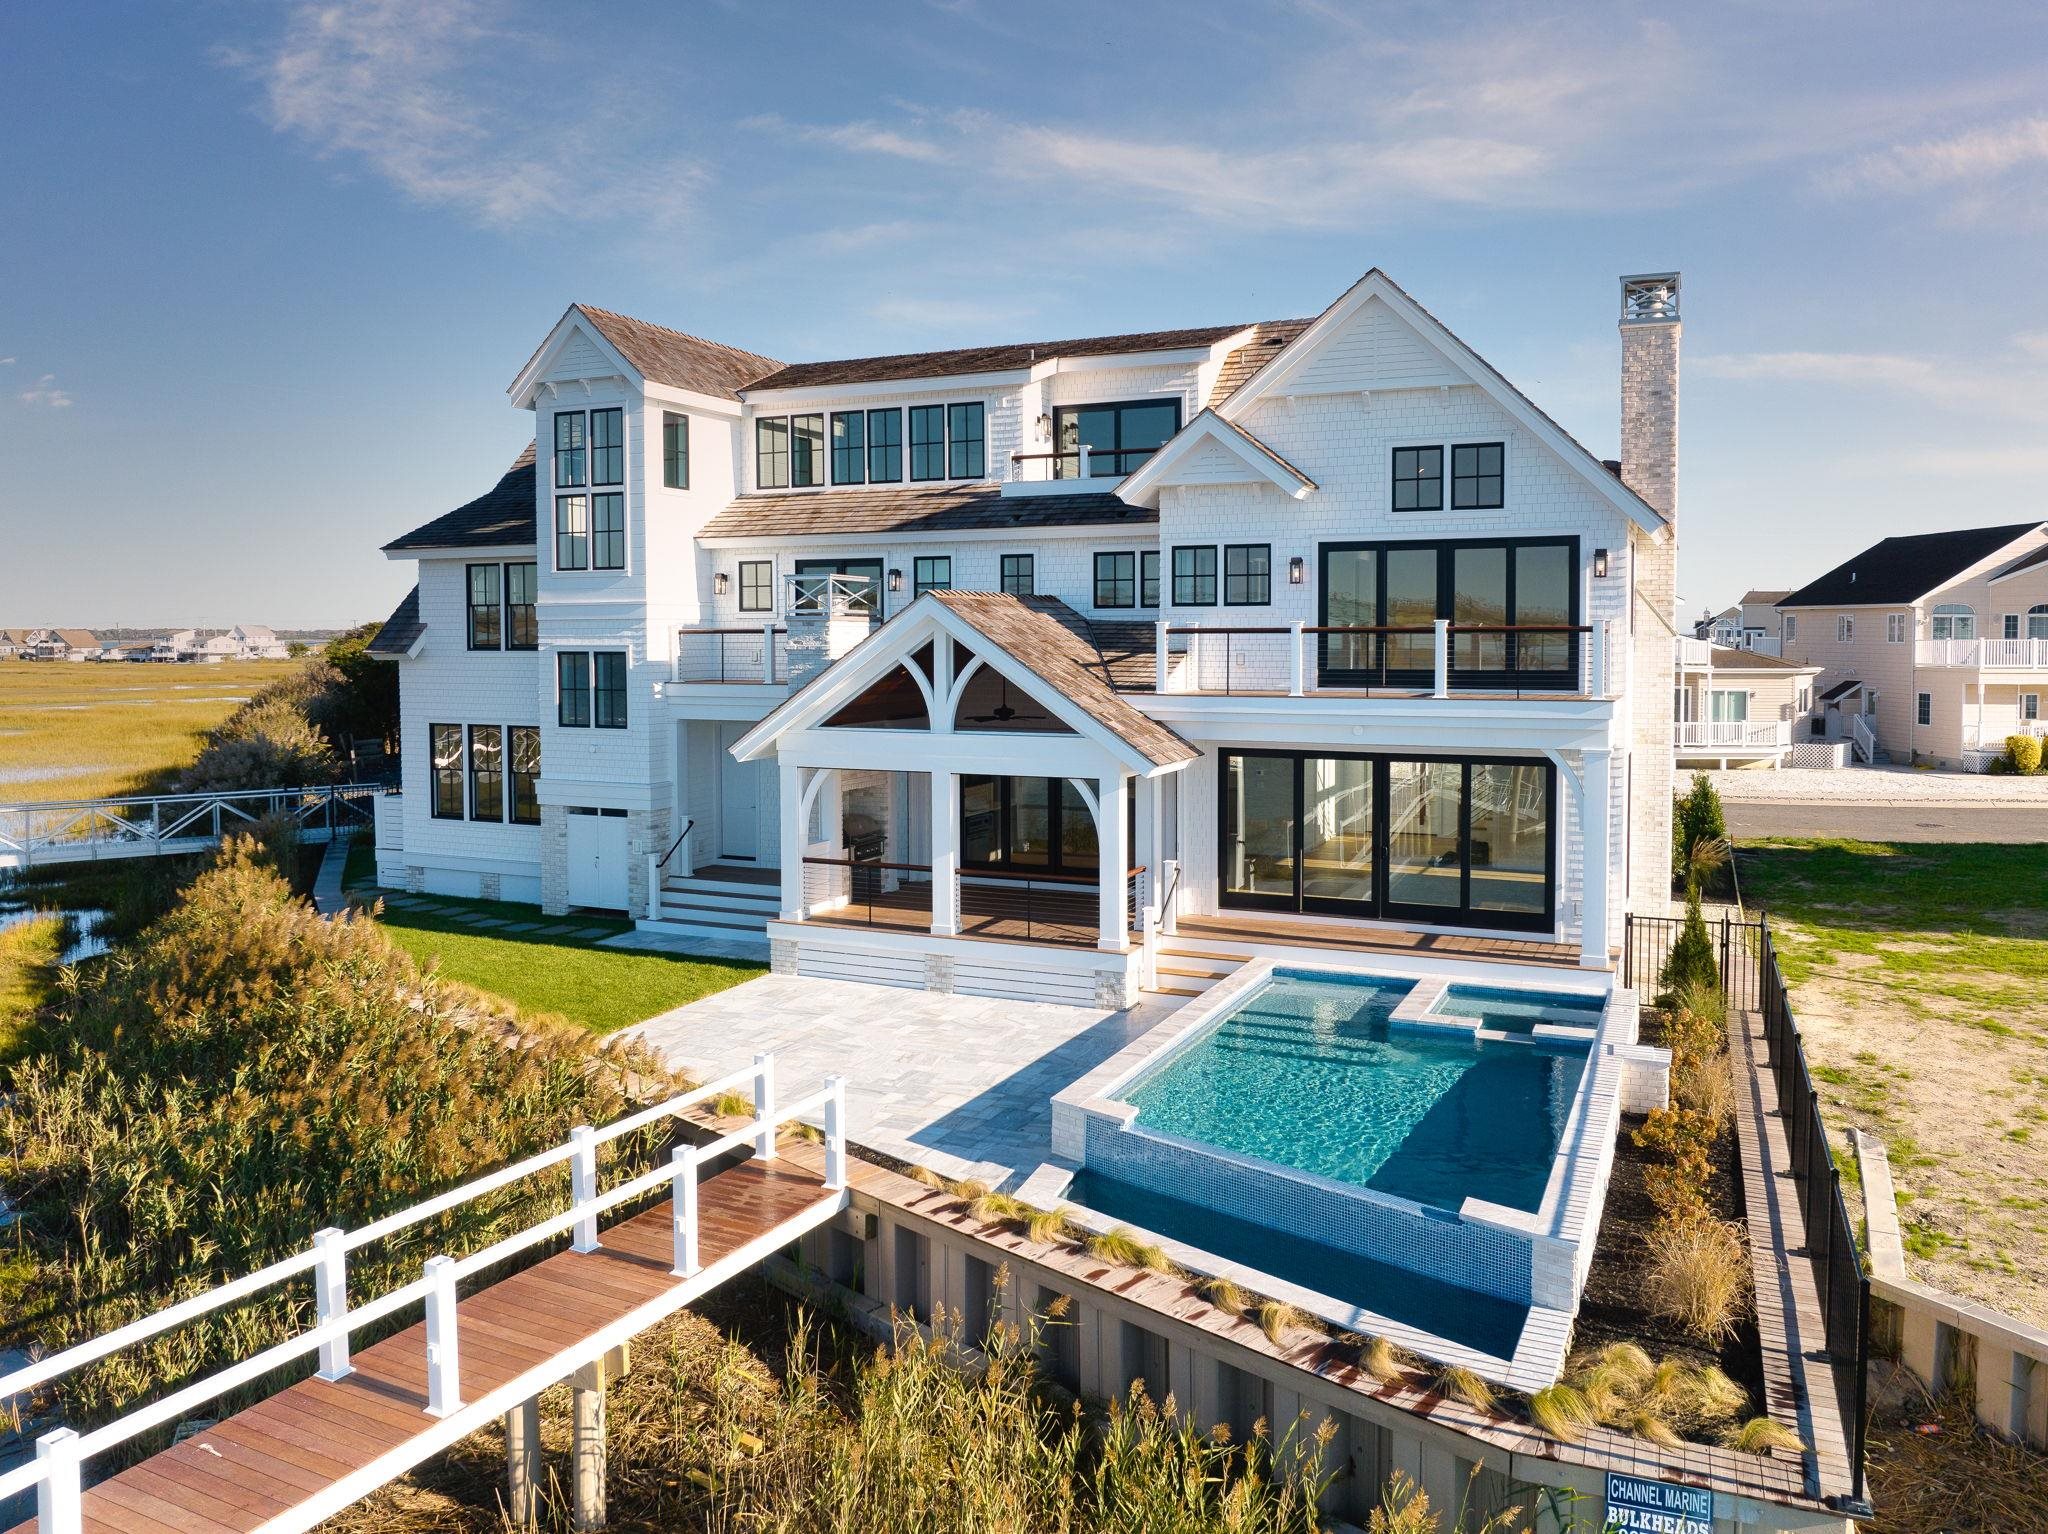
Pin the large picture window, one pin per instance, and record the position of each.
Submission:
(485, 612)
(1118, 436)
(486, 772)
(1465, 842)
(523, 743)
(1027, 825)
(444, 751)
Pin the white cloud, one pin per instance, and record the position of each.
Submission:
(937, 316)
(6, 362)
(2033, 343)
(854, 137)
(46, 393)
(1980, 155)
(2019, 394)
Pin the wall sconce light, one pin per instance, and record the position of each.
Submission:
(1297, 570)
(718, 584)
(1600, 564)
(1044, 426)
(895, 580)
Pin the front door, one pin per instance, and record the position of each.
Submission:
(739, 827)
(597, 858)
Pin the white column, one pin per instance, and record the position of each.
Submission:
(1594, 872)
(1145, 853)
(945, 854)
(790, 785)
(1112, 795)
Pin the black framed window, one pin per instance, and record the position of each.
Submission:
(1247, 574)
(522, 611)
(675, 450)
(1476, 483)
(486, 615)
(608, 689)
(608, 531)
(771, 453)
(1116, 580)
(444, 751)
(608, 447)
(572, 689)
(1030, 825)
(757, 585)
(967, 457)
(572, 532)
(1194, 576)
(1923, 707)
(569, 449)
(862, 588)
(1020, 577)
(522, 742)
(849, 447)
(486, 772)
(931, 572)
(1119, 436)
(1148, 577)
(1418, 479)
(885, 447)
(927, 442)
(806, 451)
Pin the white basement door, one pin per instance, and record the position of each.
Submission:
(597, 858)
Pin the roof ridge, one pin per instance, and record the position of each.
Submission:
(634, 319)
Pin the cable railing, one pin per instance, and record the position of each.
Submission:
(1035, 906)
(757, 654)
(1442, 657)
(57, 1471)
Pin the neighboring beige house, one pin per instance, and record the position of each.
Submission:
(1751, 624)
(1933, 648)
(1738, 708)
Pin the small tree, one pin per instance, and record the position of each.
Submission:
(2023, 754)
(1697, 822)
(1692, 965)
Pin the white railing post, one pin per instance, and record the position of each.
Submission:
(1596, 660)
(444, 1366)
(330, 1298)
(1443, 657)
(59, 1495)
(1169, 896)
(1148, 948)
(1084, 460)
(835, 1133)
(683, 1210)
(1162, 664)
(653, 885)
(1295, 666)
(768, 651)
(764, 1106)
(583, 1184)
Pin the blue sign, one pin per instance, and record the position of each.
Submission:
(1637, 1506)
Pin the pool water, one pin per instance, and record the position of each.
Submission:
(1305, 1074)
(1514, 1011)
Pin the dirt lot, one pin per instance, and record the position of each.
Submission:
(1917, 976)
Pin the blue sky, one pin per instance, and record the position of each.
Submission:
(268, 267)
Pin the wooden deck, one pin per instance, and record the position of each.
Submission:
(304, 1453)
(1237, 928)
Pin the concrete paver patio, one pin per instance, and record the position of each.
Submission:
(961, 1084)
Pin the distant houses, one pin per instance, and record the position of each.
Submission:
(49, 644)
(245, 641)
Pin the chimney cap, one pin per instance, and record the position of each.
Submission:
(1649, 298)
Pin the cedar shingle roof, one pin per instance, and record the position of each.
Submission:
(989, 359)
(1054, 643)
(914, 509)
(1727, 658)
(401, 629)
(1267, 338)
(1902, 570)
(678, 359)
(502, 515)
(1763, 598)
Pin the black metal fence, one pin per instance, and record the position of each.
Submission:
(1753, 982)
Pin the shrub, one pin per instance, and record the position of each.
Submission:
(1696, 819)
(1622, 1387)
(1701, 1085)
(1698, 1276)
(2023, 753)
(1693, 966)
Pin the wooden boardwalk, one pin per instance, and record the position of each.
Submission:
(1242, 927)
(310, 1450)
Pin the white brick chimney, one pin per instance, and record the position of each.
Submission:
(1649, 388)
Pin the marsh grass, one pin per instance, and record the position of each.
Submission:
(1699, 1276)
(1277, 1318)
(29, 956)
(1462, 1385)
(1122, 1246)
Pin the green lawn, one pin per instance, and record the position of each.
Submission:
(603, 989)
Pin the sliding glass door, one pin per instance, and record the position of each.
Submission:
(1451, 841)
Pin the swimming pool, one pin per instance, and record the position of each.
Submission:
(1518, 1011)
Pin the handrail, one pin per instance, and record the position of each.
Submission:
(969, 872)
(1384, 628)
(311, 790)
(688, 827)
(753, 629)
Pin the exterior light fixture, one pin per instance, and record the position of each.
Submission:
(1297, 570)
(718, 583)
(1600, 564)
(895, 580)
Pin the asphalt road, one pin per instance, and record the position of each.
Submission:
(1890, 822)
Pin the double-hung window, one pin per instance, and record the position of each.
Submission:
(1418, 479)
(523, 744)
(608, 689)
(1019, 576)
(486, 614)
(931, 572)
(444, 751)
(1194, 576)
(608, 447)
(1116, 580)
(849, 447)
(885, 447)
(1247, 574)
(1148, 578)
(771, 453)
(675, 450)
(569, 449)
(486, 772)
(1476, 476)
(2030, 705)
(1791, 627)
(1845, 628)
(572, 532)
(572, 689)
(522, 613)
(806, 451)
(757, 585)
(608, 531)
(1894, 628)
(927, 442)
(967, 456)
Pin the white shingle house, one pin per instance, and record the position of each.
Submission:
(948, 668)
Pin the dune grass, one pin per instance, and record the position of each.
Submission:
(92, 730)
(28, 961)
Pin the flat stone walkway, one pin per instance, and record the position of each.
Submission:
(328, 898)
(1887, 783)
(961, 1084)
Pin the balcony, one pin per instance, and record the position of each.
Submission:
(1440, 660)
(1983, 654)
(1086, 470)
(1755, 737)
(758, 655)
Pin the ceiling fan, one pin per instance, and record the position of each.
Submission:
(1003, 714)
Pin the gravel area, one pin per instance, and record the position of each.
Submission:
(1883, 784)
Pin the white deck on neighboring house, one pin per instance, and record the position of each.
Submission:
(961, 1084)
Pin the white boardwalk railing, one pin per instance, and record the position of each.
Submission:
(56, 1472)
(150, 825)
